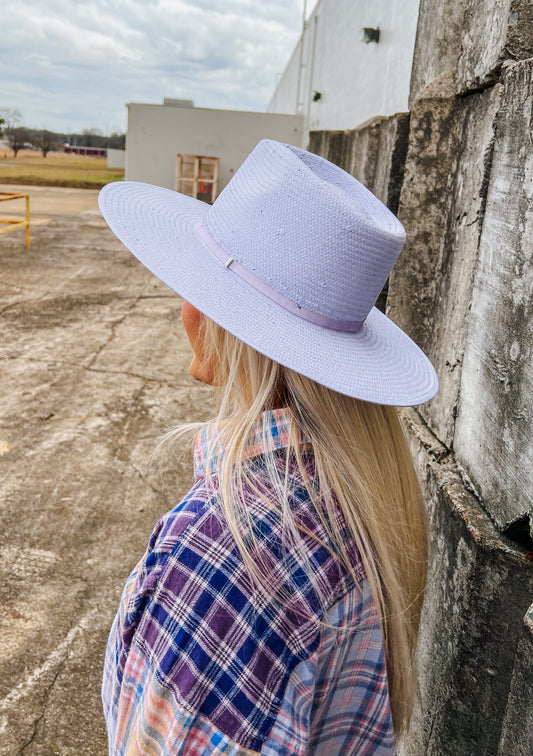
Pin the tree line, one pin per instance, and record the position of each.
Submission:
(46, 141)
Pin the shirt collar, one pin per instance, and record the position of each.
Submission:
(271, 432)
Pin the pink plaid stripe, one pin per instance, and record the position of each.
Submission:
(271, 433)
(336, 701)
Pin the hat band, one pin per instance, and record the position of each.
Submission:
(280, 299)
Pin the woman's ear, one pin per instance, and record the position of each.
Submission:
(200, 368)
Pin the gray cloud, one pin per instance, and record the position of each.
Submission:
(68, 65)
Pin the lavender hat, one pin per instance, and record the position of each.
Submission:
(290, 258)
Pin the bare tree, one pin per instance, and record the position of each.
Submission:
(15, 134)
(46, 141)
(12, 117)
(18, 137)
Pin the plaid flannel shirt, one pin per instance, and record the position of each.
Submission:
(200, 663)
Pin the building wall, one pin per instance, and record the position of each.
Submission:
(116, 158)
(357, 81)
(157, 133)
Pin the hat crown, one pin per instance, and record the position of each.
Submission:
(289, 259)
(307, 229)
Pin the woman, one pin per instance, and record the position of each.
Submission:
(276, 609)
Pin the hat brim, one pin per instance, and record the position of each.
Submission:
(379, 363)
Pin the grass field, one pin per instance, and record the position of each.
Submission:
(57, 169)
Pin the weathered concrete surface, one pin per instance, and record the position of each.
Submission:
(493, 436)
(481, 583)
(438, 42)
(472, 39)
(479, 588)
(427, 180)
(47, 202)
(93, 370)
(374, 153)
(494, 31)
(517, 737)
(442, 208)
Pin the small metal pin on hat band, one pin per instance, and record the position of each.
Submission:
(229, 261)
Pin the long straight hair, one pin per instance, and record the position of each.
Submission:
(363, 466)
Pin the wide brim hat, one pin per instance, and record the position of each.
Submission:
(290, 259)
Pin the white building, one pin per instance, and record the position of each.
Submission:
(157, 133)
(116, 158)
(335, 78)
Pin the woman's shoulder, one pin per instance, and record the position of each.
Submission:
(194, 533)
(198, 505)
(194, 607)
(195, 536)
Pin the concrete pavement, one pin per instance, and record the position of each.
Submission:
(47, 202)
(93, 365)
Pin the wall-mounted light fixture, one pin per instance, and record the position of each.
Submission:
(317, 96)
(370, 34)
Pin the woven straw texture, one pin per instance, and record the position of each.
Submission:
(308, 230)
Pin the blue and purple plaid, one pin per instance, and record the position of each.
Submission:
(200, 662)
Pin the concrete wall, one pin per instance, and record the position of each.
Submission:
(374, 154)
(463, 289)
(116, 158)
(470, 38)
(498, 361)
(157, 133)
(357, 81)
(517, 736)
(480, 587)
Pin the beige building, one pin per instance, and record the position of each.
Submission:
(157, 133)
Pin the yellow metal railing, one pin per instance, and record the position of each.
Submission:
(16, 223)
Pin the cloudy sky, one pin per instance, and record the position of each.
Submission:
(67, 65)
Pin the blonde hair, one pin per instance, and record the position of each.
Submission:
(363, 466)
